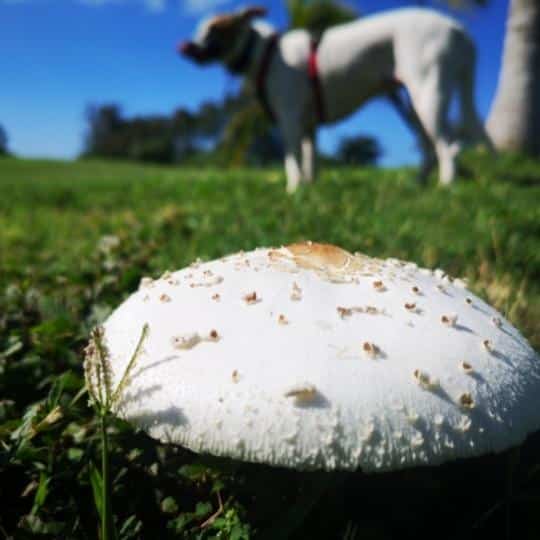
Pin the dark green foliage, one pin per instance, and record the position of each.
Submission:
(455, 4)
(3, 142)
(461, 4)
(75, 239)
(318, 15)
(359, 150)
(250, 138)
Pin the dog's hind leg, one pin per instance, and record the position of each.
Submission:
(404, 107)
(471, 127)
(431, 100)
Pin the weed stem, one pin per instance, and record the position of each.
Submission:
(107, 530)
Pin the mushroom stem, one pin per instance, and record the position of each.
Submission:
(312, 491)
(512, 464)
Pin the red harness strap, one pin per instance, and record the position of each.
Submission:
(313, 73)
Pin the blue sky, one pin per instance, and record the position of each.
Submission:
(58, 56)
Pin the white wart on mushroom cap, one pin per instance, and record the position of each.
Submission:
(310, 357)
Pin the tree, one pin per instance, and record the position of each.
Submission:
(249, 138)
(514, 119)
(247, 124)
(3, 142)
(318, 15)
(104, 125)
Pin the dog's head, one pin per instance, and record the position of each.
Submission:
(218, 36)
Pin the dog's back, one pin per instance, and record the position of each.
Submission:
(384, 26)
(357, 59)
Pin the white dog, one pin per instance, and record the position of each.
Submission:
(302, 83)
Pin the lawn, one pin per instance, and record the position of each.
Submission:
(76, 238)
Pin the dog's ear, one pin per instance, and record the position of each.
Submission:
(251, 12)
(224, 22)
(228, 21)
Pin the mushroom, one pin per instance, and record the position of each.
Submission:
(304, 395)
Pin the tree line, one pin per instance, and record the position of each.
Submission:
(184, 136)
(233, 131)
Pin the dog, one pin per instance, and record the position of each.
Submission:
(303, 82)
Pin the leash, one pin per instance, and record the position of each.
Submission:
(313, 74)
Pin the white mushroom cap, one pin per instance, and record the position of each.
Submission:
(310, 357)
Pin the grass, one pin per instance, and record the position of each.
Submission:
(75, 239)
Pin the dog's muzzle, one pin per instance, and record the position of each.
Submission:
(199, 54)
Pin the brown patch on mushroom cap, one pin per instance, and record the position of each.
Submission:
(449, 320)
(330, 262)
(496, 321)
(296, 293)
(488, 346)
(466, 401)
(466, 367)
(304, 393)
(344, 312)
(312, 255)
(251, 298)
(424, 380)
(371, 349)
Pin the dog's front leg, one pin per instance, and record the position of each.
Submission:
(292, 169)
(309, 157)
(292, 140)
